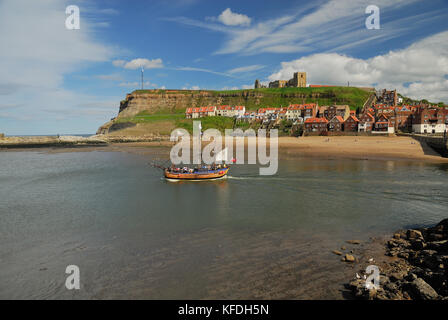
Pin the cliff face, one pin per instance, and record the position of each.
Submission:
(170, 101)
(176, 101)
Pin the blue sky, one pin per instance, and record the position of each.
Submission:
(54, 80)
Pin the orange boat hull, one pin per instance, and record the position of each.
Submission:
(210, 175)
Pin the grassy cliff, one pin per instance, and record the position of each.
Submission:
(256, 98)
(160, 111)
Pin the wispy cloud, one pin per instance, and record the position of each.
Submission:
(202, 70)
(246, 69)
(320, 26)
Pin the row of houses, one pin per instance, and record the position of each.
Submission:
(382, 119)
(418, 119)
(339, 118)
(293, 112)
(224, 111)
(338, 124)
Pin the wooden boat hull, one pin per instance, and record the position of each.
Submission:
(201, 176)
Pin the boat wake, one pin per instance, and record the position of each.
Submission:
(255, 178)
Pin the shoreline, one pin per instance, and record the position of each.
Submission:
(337, 147)
(412, 265)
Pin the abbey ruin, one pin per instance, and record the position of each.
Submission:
(298, 81)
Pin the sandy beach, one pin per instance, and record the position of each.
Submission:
(345, 147)
(360, 147)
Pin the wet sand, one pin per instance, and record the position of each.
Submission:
(360, 147)
(338, 147)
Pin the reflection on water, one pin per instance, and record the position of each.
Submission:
(134, 235)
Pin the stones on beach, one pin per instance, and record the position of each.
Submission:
(419, 289)
(337, 252)
(348, 258)
(397, 276)
(418, 244)
(417, 269)
(414, 234)
(353, 241)
(442, 226)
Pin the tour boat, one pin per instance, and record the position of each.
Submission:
(211, 172)
(196, 175)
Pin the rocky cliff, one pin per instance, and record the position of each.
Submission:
(176, 101)
(153, 101)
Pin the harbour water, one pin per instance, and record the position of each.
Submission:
(134, 235)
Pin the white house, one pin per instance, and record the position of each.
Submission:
(429, 128)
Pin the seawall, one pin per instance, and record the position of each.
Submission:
(438, 143)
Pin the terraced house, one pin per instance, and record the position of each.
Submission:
(316, 125)
(329, 112)
(383, 125)
(294, 112)
(431, 120)
(366, 122)
(303, 111)
(402, 118)
(199, 112)
(225, 111)
(228, 111)
(351, 124)
(336, 124)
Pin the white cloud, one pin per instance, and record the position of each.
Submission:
(418, 71)
(230, 18)
(37, 53)
(138, 63)
(246, 69)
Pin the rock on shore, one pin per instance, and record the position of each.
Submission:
(419, 269)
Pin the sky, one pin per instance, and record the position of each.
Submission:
(55, 80)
